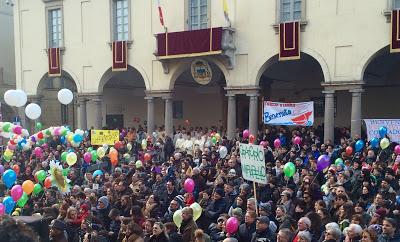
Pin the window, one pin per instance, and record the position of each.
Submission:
(290, 10)
(396, 4)
(120, 20)
(198, 14)
(177, 109)
(64, 114)
(55, 28)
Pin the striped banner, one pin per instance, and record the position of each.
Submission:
(54, 62)
(289, 41)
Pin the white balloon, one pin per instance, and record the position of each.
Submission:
(22, 98)
(65, 96)
(11, 97)
(223, 151)
(33, 111)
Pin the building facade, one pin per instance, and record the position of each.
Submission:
(345, 64)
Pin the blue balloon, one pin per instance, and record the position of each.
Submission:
(9, 204)
(382, 131)
(359, 145)
(398, 199)
(77, 138)
(374, 142)
(62, 139)
(97, 173)
(9, 178)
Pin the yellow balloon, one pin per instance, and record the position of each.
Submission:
(384, 143)
(177, 217)
(70, 137)
(196, 210)
(71, 159)
(218, 136)
(101, 152)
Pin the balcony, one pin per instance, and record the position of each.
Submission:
(194, 43)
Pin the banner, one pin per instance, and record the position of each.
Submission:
(120, 59)
(54, 62)
(253, 163)
(101, 137)
(395, 32)
(289, 41)
(276, 113)
(392, 125)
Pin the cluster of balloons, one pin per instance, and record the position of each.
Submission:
(177, 217)
(215, 137)
(15, 98)
(247, 135)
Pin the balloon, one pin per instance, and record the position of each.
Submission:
(65, 171)
(277, 143)
(349, 150)
(339, 161)
(196, 210)
(47, 182)
(33, 111)
(9, 204)
(214, 140)
(177, 218)
(147, 157)
(359, 145)
(22, 201)
(27, 186)
(385, 143)
(87, 157)
(189, 185)
(105, 147)
(382, 131)
(77, 138)
(7, 127)
(38, 152)
(2, 209)
(16, 192)
(297, 140)
(217, 136)
(232, 225)
(36, 189)
(155, 134)
(117, 145)
(40, 175)
(322, 162)
(1, 169)
(64, 156)
(22, 98)
(129, 146)
(94, 155)
(127, 156)
(252, 139)
(39, 126)
(101, 152)
(71, 159)
(17, 129)
(16, 168)
(397, 149)
(374, 142)
(9, 178)
(289, 169)
(246, 133)
(139, 164)
(97, 173)
(11, 97)
(223, 151)
(65, 96)
(113, 154)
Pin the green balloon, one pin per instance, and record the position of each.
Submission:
(94, 155)
(338, 161)
(22, 201)
(289, 169)
(64, 156)
(41, 175)
(37, 189)
(214, 140)
(65, 171)
(6, 157)
(6, 127)
(64, 132)
(39, 126)
(48, 132)
(90, 149)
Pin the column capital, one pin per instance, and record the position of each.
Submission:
(242, 90)
(356, 90)
(149, 98)
(328, 91)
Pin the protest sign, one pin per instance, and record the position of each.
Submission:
(101, 137)
(253, 163)
(299, 114)
(392, 125)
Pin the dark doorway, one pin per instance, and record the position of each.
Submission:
(115, 121)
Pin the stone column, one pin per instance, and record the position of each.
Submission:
(99, 112)
(168, 116)
(150, 115)
(82, 113)
(356, 112)
(253, 113)
(329, 116)
(231, 120)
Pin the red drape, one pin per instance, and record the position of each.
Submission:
(289, 41)
(395, 32)
(54, 62)
(120, 60)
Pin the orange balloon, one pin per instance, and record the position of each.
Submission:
(147, 157)
(252, 139)
(47, 182)
(16, 169)
(114, 162)
(27, 186)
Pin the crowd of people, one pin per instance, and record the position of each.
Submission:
(354, 199)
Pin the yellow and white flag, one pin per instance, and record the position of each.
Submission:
(225, 7)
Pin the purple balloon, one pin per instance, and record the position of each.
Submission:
(323, 162)
(2, 209)
(1, 169)
(33, 138)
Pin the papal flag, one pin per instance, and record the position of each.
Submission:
(160, 13)
(226, 14)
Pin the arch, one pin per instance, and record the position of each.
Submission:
(108, 74)
(366, 60)
(46, 80)
(183, 66)
(264, 65)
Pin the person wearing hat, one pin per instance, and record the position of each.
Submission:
(263, 233)
(103, 209)
(216, 207)
(216, 230)
(57, 231)
(265, 209)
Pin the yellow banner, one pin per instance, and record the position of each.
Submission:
(101, 137)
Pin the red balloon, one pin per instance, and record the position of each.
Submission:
(349, 150)
(47, 182)
(147, 157)
(40, 135)
(117, 145)
(16, 169)
(252, 138)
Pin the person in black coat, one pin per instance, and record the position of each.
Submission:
(172, 232)
(247, 229)
(263, 233)
(216, 207)
(159, 233)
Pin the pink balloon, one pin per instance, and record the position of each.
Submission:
(2, 209)
(45, 146)
(232, 225)
(297, 140)
(38, 151)
(189, 185)
(397, 149)
(263, 143)
(246, 133)
(277, 143)
(57, 131)
(11, 147)
(87, 157)
(16, 192)
(17, 129)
